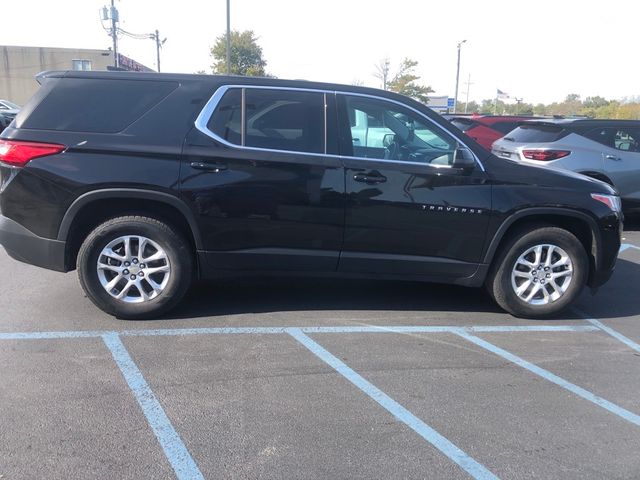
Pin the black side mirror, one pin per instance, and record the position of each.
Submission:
(464, 159)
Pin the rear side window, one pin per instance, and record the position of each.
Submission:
(93, 105)
(536, 134)
(274, 119)
(284, 120)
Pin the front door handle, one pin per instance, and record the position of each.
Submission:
(209, 167)
(369, 178)
(612, 157)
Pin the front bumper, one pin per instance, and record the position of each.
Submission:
(25, 246)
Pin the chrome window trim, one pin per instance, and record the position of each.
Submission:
(206, 112)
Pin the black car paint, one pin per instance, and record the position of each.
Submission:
(260, 211)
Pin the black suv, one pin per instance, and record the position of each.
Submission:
(145, 182)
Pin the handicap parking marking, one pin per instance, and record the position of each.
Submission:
(453, 452)
(614, 333)
(174, 449)
(547, 375)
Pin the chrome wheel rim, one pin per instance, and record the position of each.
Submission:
(133, 269)
(542, 274)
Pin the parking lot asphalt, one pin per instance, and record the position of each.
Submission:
(264, 378)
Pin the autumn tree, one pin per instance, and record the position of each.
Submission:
(405, 81)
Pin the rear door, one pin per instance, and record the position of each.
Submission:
(621, 157)
(255, 171)
(409, 209)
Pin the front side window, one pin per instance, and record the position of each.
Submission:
(273, 119)
(627, 140)
(387, 131)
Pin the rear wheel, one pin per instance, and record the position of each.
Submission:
(135, 267)
(540, 271)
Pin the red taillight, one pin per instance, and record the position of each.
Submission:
(545, 155)
(19, 154)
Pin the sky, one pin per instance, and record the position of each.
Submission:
(538, 51)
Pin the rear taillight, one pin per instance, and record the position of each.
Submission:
(18, 153)
(545, 155)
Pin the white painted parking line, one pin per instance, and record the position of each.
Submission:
(547, 375)
(471, 466)
(183, 465)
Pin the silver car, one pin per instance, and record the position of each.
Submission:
(608, 150)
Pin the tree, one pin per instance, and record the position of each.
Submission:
(404, 82)
(246, 55)
(382, 72)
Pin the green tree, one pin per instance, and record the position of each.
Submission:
(404, 82)
(246, 55)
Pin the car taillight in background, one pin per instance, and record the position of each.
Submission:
(18, 153)
(545, 155)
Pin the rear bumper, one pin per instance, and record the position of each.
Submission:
(25, 246)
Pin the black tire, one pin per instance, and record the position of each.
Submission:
(499, 280)
(178, 252)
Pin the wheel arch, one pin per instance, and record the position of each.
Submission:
(580, 224)
(91, 209)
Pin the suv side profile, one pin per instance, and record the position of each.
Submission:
(608, 150)
(146, 182)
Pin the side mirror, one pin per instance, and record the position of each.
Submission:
(464, 159)
(388, 140)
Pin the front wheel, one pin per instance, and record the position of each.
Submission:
(539, 272)
(135, 267)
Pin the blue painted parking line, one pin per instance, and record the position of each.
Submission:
(275, 330)
(615, 334)
(471, 466)
(183, 465)
(627, 246)
(547, 375)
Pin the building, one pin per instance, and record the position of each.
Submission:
(19, 66)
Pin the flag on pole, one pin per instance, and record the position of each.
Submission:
(500, 95)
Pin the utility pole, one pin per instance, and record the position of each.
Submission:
(228, 37)
(455, 98)
(159, 44)
(466, 103)
(114, 33)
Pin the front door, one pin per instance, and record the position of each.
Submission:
(412, 208)
(256, 173)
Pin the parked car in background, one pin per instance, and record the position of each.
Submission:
(608, 150)
(8, 111)
(147, 182)
(486, 129)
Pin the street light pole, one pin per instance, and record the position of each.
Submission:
(455, 98)
(158, 48)
(228, 37)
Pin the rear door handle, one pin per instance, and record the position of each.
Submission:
(369, 179)
(209, 167)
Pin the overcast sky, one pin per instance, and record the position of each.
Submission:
(539, 51)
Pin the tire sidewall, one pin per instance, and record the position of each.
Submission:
(504, 291)
(178, 256)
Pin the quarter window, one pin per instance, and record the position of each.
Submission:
(226, 120)
(383, 130)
